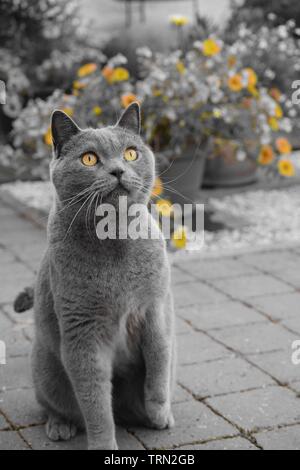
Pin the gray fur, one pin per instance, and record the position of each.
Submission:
(105, 347)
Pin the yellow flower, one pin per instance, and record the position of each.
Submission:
(235, 83)
(68, 111)
(48, 137)
(273, 123)
(77, 85)
(127, 99)
(253, 90)
(252, 77)
(158, 188)
(210, 48)
(278, 112)
(179, 20)
(86, 69)
(266, 156)
(120, 74)
(283, 146)
(97, 110)
(286, 168)
(156, 92)
(180, 67)
(179, 238)
(164, 207)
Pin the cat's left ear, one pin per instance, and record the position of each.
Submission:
(63, 128)
(131, 118)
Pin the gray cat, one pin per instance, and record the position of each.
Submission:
(105, 346)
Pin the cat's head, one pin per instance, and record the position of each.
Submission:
(111, 162)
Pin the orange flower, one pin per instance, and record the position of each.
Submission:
(158, 188)
(231, 61)
(86, 69)
(235, 83)
(266, 155)
(247, 103)
(120, 74)
(286, 168)
(127, 99)
(275, 93)
(48, 137)
(251, 75)
(107, 73)
(283, 145)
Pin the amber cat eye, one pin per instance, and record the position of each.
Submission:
(130, 155)
(89, 159)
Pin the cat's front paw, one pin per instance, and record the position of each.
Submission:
(159, 414)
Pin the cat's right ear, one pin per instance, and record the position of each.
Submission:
(63, 128)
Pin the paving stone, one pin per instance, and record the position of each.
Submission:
(180, 277)
(213, 269)
(291, 277)
(196, 347)
(13, 280)
(273, 262)
(207, 317)
(196, 293)
(38, 440)
(251, 286)
(16, 344)
(278, 307)
(292, 324)
(3, 423)
(21, 407)
(280, 439)
(6, 257)
(234, 443)
(253, 339)
(25, 318)
(181, 395)
(182, 327)
(10, 440)
(279, 365)
(195, 422)
(221, 377)
(16, 374)
(257, 409)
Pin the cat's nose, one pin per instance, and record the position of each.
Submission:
(117, 172)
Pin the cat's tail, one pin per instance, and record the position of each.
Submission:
(24, 300)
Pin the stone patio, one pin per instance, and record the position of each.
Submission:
(237, 319)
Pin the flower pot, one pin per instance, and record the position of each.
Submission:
(223, 169)
(183, 177)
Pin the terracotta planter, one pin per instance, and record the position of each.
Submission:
(223, 169)
(184, 178)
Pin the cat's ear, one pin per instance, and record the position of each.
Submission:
(63, 128)
(131, 118)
